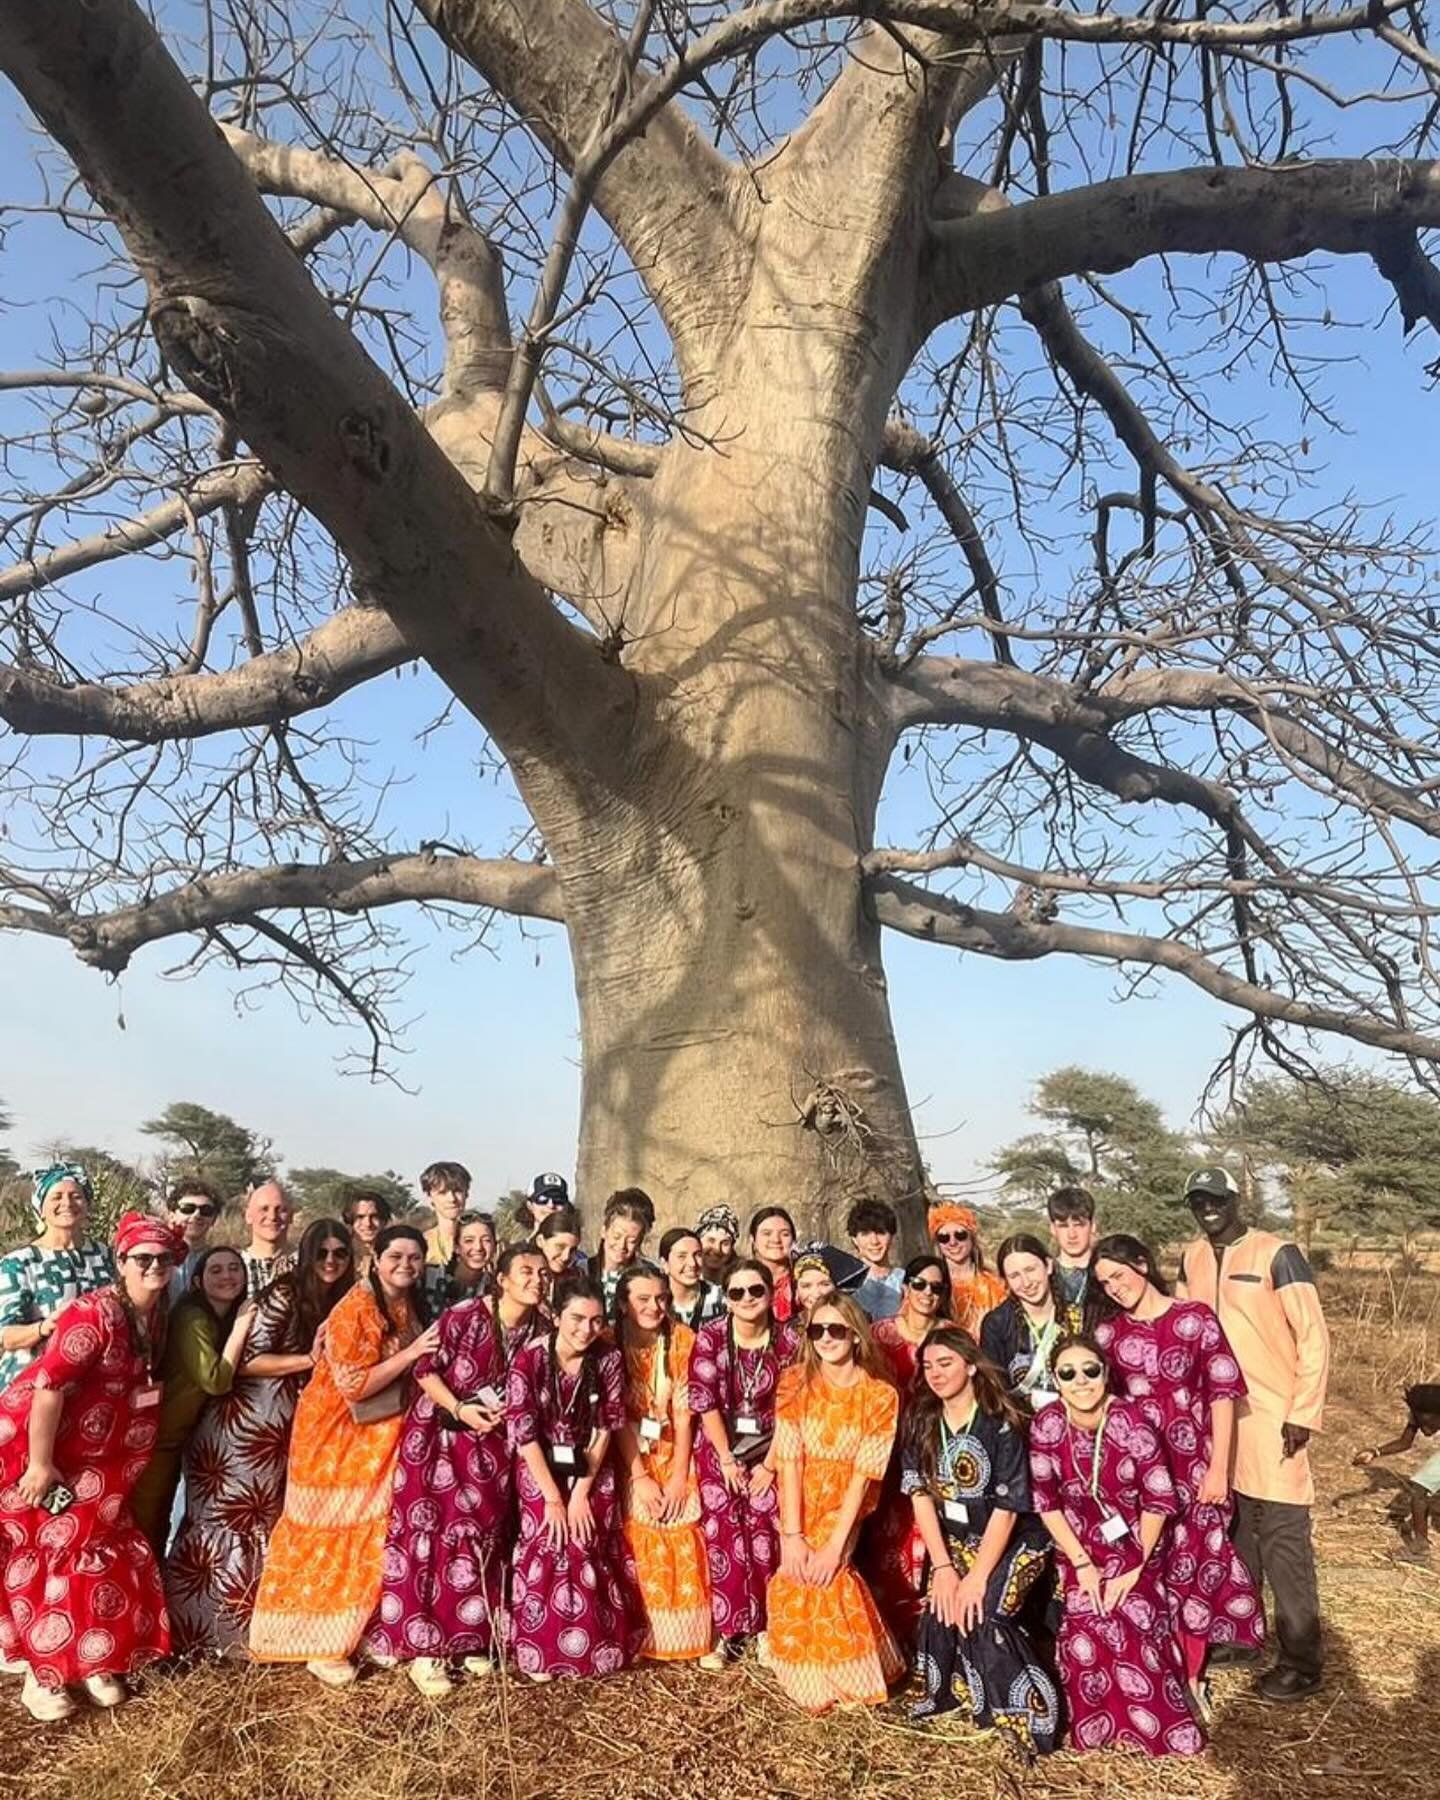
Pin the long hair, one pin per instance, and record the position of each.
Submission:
(1082, 1340)
(568, 1288)
(392, 1234)
(924, 1406)
(757, 1219)
(1136, 1254)
(195, 1295)
(868, 1354)
(455, 1287)
(930, 1259)
(642, 1272)
(311, 1300)
(1025, 1243)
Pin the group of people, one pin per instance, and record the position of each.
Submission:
(1052, 1488)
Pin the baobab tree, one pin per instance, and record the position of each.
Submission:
(715, 404)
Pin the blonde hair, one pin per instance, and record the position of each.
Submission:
(868, 1353)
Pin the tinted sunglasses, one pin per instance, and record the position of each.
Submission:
(756, 1291)
(1090, 1371)
(821, 1329)
(146, 1260)
(922, 1286)
(333, 1253)
(192, 1209)
(952, 1237)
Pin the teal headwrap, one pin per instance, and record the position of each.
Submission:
(44, 1179)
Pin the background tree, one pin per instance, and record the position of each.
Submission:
(201, 1142)
(8, 1165)
(322, 1192)
(119, 1186)
(851, 415)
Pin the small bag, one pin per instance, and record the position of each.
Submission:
(388, 1402)
(748, 1451)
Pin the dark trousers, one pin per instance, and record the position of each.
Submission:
(1273, 1538)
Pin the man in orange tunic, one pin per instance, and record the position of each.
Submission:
(1264, 1293)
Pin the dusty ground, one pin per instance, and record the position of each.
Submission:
(272, 1735)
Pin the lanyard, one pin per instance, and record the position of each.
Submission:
(659, 1379)
(746, 1403)
(1099, 1445)
(1041, 1342)
(564, 1411)
(947, 1437)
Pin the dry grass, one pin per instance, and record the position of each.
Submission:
(220, 1734)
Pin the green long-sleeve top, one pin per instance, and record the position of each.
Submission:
(193, 1370)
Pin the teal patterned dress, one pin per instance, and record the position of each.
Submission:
(35, 1283)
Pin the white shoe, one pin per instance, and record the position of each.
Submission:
(431, 1676)
(335, 1671)
(478, 1665)
(762, 1650)
(714, 1659)
(47, 1704)
(106, 1690)
(14, 1665)
(539, 1675)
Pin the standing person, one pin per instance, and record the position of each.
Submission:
(1071, 1212)
(772, 1238)
(322, 1573)
(63, 1263)
(966, 1471)
(1019, 1336)
(268, 1217)
(517, 1220)
(574, 1600)
(835, 1420)
(191, 1208)
(735, 1371)
(83, 1604)
(1101, 1485)
(661, 1499)
(204, 1341)
(924, 1305)
(628, 1220)
(873, 1228)
(719, 1229)
(451, 1529)
(1261, 1289)
(236, 1458)
(367, 1214)
(446, 1187)
(1172, 1358)
(471, 1270)
(557, 1238)
(693, 1300)
(1422, 1416)
(974, 1291)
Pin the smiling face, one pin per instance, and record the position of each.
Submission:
(367, 1222)
(831, 1334)
(192, 1215)
(947, 1374)
(268, 1214)
(810, 1284)
(145, 1274)
(475, 1246)
(773, 1241)
(645, 1302)
(223, 1278)
(717, 1247)
(332, 1260)
(683, 1263)
(1122, 1284)
(401, 1263)
(65, 1207)
(1074, 1238)
(559, 1249)
(873, 1247)
(957, 1247)
(1080, 1376)
(747, 1297)
(1027, 1277)
(523, 1283)
(925, 1291)
(1217, 1215)
(578, 1326)
(447, 1203)
(621, 1238)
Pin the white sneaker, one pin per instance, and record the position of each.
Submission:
(14, 1665)
(47, 1704)
(478, 1665)
(762, 1650)
(539, 1675)
(431, 1676)
(106, 1690)
(714, 1659)
(335, 1671)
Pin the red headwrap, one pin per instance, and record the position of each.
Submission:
(946, 1212)
(142, 1231)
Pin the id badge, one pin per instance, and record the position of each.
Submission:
(147, 1396)
(490, 1397)
(1042, 1397)
(1113, 1528)
(745, 1426)
(651, 1431)
(957, 1512)
(563, 1455)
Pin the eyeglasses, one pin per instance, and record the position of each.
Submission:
(197, 1209)
(1090, 1371)
(922, 1286)
(822, 1329)
(952, 1237)
(146, 1260)
(757, 1291)
(333, 1253)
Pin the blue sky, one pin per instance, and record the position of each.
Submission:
(491, 1073)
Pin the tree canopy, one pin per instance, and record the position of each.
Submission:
(201, 1142)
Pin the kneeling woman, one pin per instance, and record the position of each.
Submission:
(1100, 1482)
(965, 1467)
(835, 1419)
(574, 1603)
(451, 1518)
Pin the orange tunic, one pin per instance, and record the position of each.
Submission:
(828, 1645)
(322, 1571)
(670, 1559)
(972, 1299)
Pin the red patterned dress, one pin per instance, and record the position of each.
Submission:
(82, 1592)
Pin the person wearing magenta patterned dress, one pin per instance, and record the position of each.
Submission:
(1172, 1357)
(451, 1528)
(734, 1372)
(1102, 1487)
(574, 1596)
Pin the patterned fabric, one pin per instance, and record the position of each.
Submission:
(1074, 1283)
(82, 1592)
(828, 1645)
(670, 1559)
(323, 1571)
(710, 1304)
(1121, 1671)
(972, 1296)
(1008, 1338)
(742, 1534)
(891, 1554)
(43, 1180)
(234, 1467)
(260, 1271)
(575, 1610)
(1176, 1367)
(35, 1283)
(192, 1371)
(452, 1523)
(880, 1296)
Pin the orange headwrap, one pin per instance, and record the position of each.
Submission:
(948, 1213)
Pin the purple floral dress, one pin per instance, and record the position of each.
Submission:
(452, 1515)
(742, 1542)
(1122, 1672)
(575, 1610)
(1175, 1367)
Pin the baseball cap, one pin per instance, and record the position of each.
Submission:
(1219, 1183)
(550, 1187)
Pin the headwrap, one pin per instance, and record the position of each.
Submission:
(845, 1272)
(143, 1231)
(718, 1218)
(946, 1212)
(809, 1256)
(43, 1180)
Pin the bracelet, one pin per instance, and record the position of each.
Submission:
(1087, 1564)
(786, 1534)
(945, 1565)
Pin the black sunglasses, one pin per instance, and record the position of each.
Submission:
(191, 1209)
(952, 1237)
(146, 1260)
(757, 1291)
(1091, 1371)
(922, 1286)
(333, 1253)
(822, 1329)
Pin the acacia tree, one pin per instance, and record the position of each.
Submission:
(819, 335)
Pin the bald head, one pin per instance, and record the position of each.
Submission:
(268, 1214)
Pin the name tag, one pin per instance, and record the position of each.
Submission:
(563, 1455)
(957, 1512)
(651, 1431)
(745, 1426)
(1042, 1397)
(147, 1396)
(1113, 1528)
(489, 1397)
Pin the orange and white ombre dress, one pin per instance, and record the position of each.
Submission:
(670, 1559)
(828, 1645)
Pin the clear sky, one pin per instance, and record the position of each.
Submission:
(491, 1072)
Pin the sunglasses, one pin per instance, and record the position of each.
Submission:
(146, 1260)
(1090, 1372)
(922, 1286)
(757, 1291)
(820, 1329)
(952, 1237)
(197, 1209)
(333, 1253)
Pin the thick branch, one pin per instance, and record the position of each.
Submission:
(938, 919)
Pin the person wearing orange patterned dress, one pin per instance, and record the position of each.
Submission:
(974, 1290)
(662, 1499)
(835, 1420)
(322, 1575)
